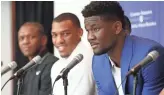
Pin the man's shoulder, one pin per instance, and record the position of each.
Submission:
(143, 46)
(145, 42)
(50, 58)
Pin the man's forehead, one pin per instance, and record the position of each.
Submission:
(62, 26)
(61, 23)
(28, 29)
(92, 18)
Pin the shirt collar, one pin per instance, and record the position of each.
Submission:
(112, 63)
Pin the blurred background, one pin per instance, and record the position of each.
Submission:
(146, 19)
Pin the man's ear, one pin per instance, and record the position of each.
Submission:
(80, 32)
(44, 40)
(118, 27)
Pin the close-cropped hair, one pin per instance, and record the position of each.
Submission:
(108, 10)
(68, 16)
(127, 22)
(37, 26)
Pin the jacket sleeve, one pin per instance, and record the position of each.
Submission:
(153, 76)
(45, 81)
(85, 81)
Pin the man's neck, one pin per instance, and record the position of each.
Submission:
(30, 58)
(72, 50)
(41, 53)
(116, 51)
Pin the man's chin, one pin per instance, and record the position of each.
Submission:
(96, 52)
(64, 55)
(26, 54)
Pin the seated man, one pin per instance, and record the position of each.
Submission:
(32, 41)
(115, 52)
(66, 37)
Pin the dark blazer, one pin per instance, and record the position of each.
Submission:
(37, 80)
(150, 78)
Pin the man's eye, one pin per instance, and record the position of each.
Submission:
(21, 38)
(32, 37)
(66, 34)
(96, 29)
(54, 35)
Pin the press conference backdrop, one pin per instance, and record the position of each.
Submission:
(147, 19)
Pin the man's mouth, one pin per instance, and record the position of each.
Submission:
(94, 45)
(61, 48)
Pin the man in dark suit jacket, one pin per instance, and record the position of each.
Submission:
(116, 52)
(32, 41)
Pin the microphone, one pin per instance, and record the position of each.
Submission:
(10, 66)
(74, 62)
(152, 56)
(34, 61)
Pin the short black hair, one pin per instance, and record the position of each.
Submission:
(36, 25)
(107, 9)
(127, 23)
(68, 16)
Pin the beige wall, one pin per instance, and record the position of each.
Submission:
(6, 44)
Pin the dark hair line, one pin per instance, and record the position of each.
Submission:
(36, 25)
(106, 9)
(68, 16)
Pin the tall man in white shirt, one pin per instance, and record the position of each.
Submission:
(66, 36)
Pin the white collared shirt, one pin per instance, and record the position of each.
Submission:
(80, 77)
(116, 71)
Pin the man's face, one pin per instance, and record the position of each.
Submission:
(101, 34)
(65, 36)
(29, 40)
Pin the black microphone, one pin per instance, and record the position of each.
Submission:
(34, 61)
(10, 66)
(74, 62)
(152, 56)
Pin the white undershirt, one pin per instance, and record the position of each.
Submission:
(116, 71)
(80, 77)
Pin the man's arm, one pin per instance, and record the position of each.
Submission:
(153, 76)
(85, 81)
(45, 78)
(85, 86)
(45, 81)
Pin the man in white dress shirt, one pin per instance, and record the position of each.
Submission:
(66, 36)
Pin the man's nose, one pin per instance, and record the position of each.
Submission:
(90, 36)
(60, 40)
(26, 41)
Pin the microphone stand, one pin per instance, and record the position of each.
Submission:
(19, 85)
(135, 75)
(65, 84)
